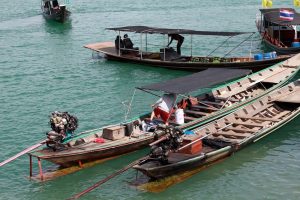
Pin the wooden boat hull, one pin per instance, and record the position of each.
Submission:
(201, 160)
(282, 50)
(108, 49)
(188, 66)
(156, 170)
(67, 159)
(169, 170)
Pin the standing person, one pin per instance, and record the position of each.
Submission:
(179, 39)
(163, 107)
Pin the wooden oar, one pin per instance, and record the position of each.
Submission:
(77, 196)
(23, 152)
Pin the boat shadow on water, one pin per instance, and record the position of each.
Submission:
(54, 27)
(248, 156)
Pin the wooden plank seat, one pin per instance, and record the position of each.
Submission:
(258, 118)
(246, 124)
(195, 112)
(229, 99)
(213, 103)
(241, 129)
(188, 118)
(231, 134)
(282, 114)
(205, 107)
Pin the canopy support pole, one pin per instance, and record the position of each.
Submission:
(279, 34)
(141, 42)
(146, 42)
(129, 106)
(30, 166)
(191, 45)
(239, 44)
(251, 45)
(119, 44)
(165, 47)
(261, 25)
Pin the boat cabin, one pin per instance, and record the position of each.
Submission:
(278, 27)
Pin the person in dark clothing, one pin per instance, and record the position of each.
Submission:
(127, 42)
(179, 39)
(119, 42)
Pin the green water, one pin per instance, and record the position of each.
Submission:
(45, 68)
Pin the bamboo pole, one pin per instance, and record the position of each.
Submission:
(77, 196)
(23, 152)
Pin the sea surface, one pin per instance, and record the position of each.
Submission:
(44, 68)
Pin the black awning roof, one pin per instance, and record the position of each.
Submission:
(272, 15)
(193, 82)
(154, 30)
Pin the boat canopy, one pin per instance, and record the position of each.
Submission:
(193, 82)
(154, 30)
(272, 15)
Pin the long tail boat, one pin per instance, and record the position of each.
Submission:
(168, 58)
(225, 136)
(127, 136)
(278, 29)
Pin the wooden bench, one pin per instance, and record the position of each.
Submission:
(247, 124)
(232, 134)
(195, 112)
(212, 103)
(205, 107)
(241, 129)
(258, 118)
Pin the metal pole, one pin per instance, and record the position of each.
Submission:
(146, 42)
(40, 169)
(141, 42)
(191, 45)
(165, 47)
(279, 33)
(251, 47)
(119, 44)
(30, 166)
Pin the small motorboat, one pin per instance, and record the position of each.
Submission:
(52, 10)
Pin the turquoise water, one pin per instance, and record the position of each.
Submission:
(44, 68)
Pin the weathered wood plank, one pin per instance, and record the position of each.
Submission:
(195, 112)
(258, 118)
(247, 124)
(205, 107)
(241, 129)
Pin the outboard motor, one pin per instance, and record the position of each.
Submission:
(170, 141)
(63, 126)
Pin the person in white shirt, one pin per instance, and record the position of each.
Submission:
(163, 107)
